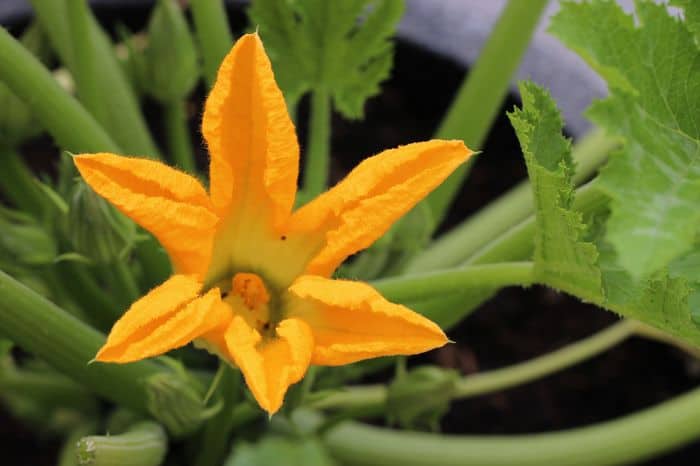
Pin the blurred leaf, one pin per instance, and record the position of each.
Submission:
(653, 72)
(343, 47)
(276, 450)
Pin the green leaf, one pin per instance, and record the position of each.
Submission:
(653, 71)
(342, 47)
(691, 9)
(562, 259)
(574, 255)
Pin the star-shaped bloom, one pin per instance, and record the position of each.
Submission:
(252, 277)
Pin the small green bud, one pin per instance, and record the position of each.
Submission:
(96, 230)
(170, 68)
(23, 240)
(420, 397)
(177, 402)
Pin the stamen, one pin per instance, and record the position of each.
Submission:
(251, 289)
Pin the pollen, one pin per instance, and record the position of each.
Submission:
(251, 289)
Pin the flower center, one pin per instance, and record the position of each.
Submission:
(250, 298)
(251, 289)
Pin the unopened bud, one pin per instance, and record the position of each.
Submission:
(177, 403)
(170, 68)
(419, 398)
(96, 230)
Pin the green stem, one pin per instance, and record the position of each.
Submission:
(409, 287)
(178, 133)
(574, 353)
(19, 185)
(91, 46)
(316, 167)
(514, 245)
(57, 111)
(123, 282)
(215, 438)
(65, 343)
(508, 210)
(479, 99)
(213, 33)
(631, 438)
(84, 69)
(373, 397)
(144, 444)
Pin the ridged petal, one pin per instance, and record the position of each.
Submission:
(362, 207)
(351, 321)
(271, 366)
(170, 204)
(252, 141)
(168, 317)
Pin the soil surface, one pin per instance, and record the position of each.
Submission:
(515, 325)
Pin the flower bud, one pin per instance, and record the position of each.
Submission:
(95, 229)
(419, 398)
(177, 403)
(170, 68)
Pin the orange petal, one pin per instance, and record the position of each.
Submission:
(362, 207)
(252, 142)
(270, 366)
(170, 204)
(351, 321)
(168, 317)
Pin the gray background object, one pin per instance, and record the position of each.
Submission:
(458, 29)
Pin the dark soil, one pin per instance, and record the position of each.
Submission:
(515, 325)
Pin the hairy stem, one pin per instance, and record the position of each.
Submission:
(432, 284)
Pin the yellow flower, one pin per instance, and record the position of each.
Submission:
(252, 278)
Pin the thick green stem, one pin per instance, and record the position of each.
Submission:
(19, 185)
(409, 287)
(213, 33)
(374, 396)
(477, 103)
(84, 68)
(316, 167)
(59, 113)
(89, 54)
(144, 444)
(508, 210)
(215, 438)
(178, 133)
(625, 440)
(65, 343)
